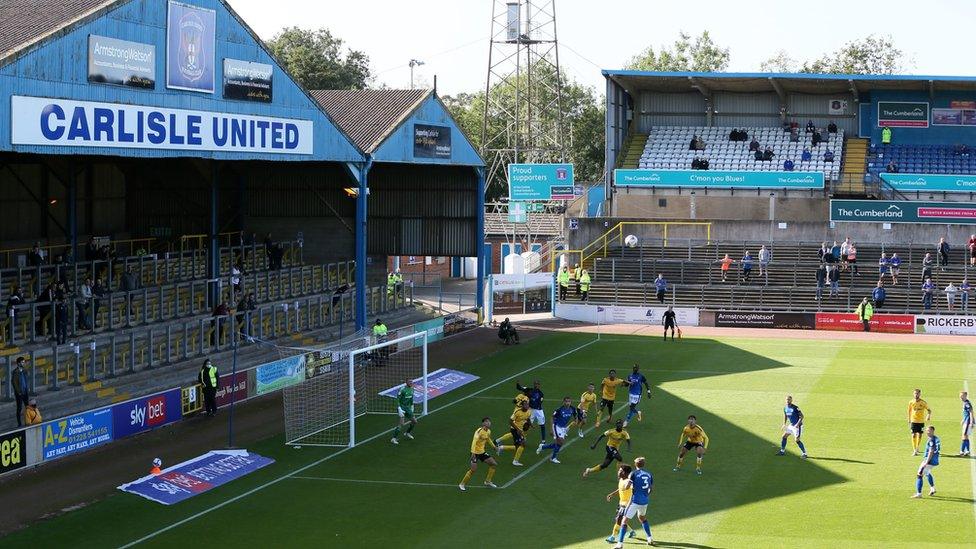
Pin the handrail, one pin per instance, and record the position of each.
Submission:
(619, 236)
(7, 253)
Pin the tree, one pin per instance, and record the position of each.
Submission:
(702, 55)
(317, 62)
(869, 55)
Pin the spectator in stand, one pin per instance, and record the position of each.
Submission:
(662, 286)
(61, 312)
(16, 299)
(693, 145)
(950, 291)
(823, 253)
(895, 267)
(220, 313)
(42, 325)
(699, 144)
(584, 284)
(704, 164)
(753, 145)
(794, 135)
(128, 284)
(943, 253)
(972, 250)
(960, 149)
(21, 388)
(810, 127)
(964, 294)
(208, 378)
(236, 273)
(563, 279)
(788, 165)
(726, 263)
(787, 127)
(35, 257)
(734, 134)
(829, 156)
(878, 295)
(816, 139)
(927, 263)
(831, 128)
(834, 277)
(835, 252)
(844, 247)
(768, 154)
(83, 304)
(864, 313)
(765, 256)
(852, 259)
(758, 156)
(806, 155)
(245, 306)
(277, 255)
(821, 280)
(91, 250)
(746, 266)
(892, 167)
(696, 163)
(99, 291)
(882, 267)
(32, 416)
(885, 135)
(928, 288)
(268, 244)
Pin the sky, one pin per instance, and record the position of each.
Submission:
(451, 36)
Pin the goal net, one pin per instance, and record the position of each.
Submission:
(345, 383)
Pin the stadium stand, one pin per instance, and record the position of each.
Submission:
(667, 148)
(923, 159)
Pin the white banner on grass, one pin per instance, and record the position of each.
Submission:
(619, 314)
(948, 325)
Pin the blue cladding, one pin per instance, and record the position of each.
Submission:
(933, 135)
(399, 145)
(59, 69)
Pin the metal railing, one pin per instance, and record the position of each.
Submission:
(615, 236)
(9, 256)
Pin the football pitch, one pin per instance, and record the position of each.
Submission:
(853, 491)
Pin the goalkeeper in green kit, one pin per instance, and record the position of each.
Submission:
(405, 409)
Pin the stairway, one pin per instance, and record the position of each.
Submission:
(631, 152)
(855, 166)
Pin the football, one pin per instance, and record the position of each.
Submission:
(630, 241)
(157, 462)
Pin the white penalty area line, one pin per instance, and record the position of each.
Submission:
(537, 464)
(368, 481)
(319, 461)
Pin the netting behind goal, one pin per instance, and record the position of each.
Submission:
(343, 384)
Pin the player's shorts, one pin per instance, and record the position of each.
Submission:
(895, 270)
(634, 510)
(484, 456)
(518, 437)
(560, 431)
(613, 454)
(794, 430)
(538, 417)
(669, 324)
(404, 413)
(692, 445)
(621, 510)
(634, 399)
(580, 415)
(925, 469)
(918, 427)
(967, 429)
(606, 403)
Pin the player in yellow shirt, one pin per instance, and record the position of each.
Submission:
(608, 388)
(519, 400)
(624, 491)
(481, 439)
(587, 399)
(918, 413)
(692, 437)
(517, 425)
(615, 437)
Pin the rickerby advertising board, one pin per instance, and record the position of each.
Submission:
(120, 62)
(718, 179)
(146, 413)
(248, 81)
(946, 325)
(13, 451)
(76, 433)
(279, 374)
(190, 47)
(431, 141)
(619, 314)
(777, 320)
(849, 322)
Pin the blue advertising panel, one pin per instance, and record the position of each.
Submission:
(196, 476)
(190, 47)
(431, 141)
(76, 433)
(541, 182)
(902, 211)
(146, 413)
(930, 182)
(438, 382)
(279, 374)
(719, 179)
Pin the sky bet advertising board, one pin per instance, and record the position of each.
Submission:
(67, 123)
(146, 413)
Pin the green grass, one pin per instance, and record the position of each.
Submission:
(853, 492)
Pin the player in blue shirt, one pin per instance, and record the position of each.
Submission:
(792, 425)
(535, 404)
(931, 459)
(636, 382)
(968, 421)
(642, 482)
(561, 418)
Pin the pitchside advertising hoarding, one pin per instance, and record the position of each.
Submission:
(120, 62)
(541, 182)
(718, 179)
(279, 374)
(903, 114)
(200, 474)
(431, 141)
(945, 325)
(13, 451)
(930, 182)
(146, 413)
(774, 320)
(61, 122)
(76, 433)
(849, 322)
(902, 211)
(617, 314)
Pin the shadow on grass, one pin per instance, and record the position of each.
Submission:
(842, 460)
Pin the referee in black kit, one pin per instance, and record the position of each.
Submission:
(669, 321)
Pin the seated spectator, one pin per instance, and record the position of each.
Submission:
(787, 127)
(788, 165)
(794, 136)
(696, 163)
(759, 155)
(743, 136)
(32, 416)
(734, 134)
(753, 145)
(507, 332)
(960, 149)
(704, 164)
(15, 300)
(91, 250)
(810, 127)
(693, 145)
(891, 167)
(817, 138)
(768, 154)
(246, 305)
(699, 144)
(829, 156)
(831, 128)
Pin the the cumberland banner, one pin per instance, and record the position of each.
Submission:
(903, 114)
(717, 179)
(930, 182)
(902, 211)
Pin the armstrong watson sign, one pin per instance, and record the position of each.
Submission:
(902, 211)
(61, 122)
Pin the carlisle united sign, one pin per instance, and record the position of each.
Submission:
(66, 123)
